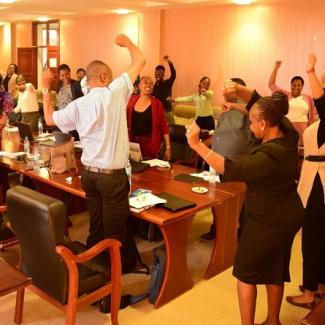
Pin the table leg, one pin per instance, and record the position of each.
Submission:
(226, 216)
(19, 305)
(177, 278)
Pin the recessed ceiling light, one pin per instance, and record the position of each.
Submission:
(43, 19)
(7, 1)
(243, 2)
(121, 11)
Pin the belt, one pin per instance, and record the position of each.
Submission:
(104, 170)
(315, 158)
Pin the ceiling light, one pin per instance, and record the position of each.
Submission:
(7, 1)
(43, 19)
(243, 2)
(121, 11)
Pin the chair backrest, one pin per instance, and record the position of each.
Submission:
(180, 150)
(38, 222)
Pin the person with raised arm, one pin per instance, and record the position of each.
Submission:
(273, 211)
(203, 104)
(147, 122)
(100, 119)
(301, 106)
(162, 89)
(311, 189)
(27, 103)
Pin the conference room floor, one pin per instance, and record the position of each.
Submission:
(211, 301)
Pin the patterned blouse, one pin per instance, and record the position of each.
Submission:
(64, 96)
(6, 103)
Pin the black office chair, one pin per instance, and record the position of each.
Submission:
(181, 153)
(67, 280)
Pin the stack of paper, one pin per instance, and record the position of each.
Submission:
(157, 163)
(207, 176)
(144, 201)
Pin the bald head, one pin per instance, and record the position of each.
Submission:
(98, 74)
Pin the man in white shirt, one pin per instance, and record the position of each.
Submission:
(100, 119)
(27, 103)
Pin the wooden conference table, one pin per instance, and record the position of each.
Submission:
(224, 199)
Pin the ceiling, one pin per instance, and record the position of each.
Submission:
(30, 10)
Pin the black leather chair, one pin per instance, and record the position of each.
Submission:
(67, 280)
(181, 153)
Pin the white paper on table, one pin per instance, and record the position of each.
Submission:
(143, 200)
(11, 155)
(207, 176)
(157, 163)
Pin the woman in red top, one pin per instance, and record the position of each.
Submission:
(147, 124)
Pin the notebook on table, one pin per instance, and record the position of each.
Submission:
(138, 166)
(175, 203)
(188, 178)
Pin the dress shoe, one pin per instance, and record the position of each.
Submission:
(105, 303)
(307, 305)
(318, 295)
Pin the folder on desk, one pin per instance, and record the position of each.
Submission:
(175, 203)
(188, 178)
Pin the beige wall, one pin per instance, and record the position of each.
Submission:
(229, 41)
(85, 39)
(218, 41)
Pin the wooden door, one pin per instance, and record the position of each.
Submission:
(27, 63)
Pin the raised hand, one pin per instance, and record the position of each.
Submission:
(226, 106)
(166, 58)
(311, 62)
(277, 64)
(122, 40)
(47, 78)
(193, 135)
(230, 89)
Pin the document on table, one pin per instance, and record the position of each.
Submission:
(157, 163)
(144, 200)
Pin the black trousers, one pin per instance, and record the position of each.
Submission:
(313, 238)
(108, 205)
(205, 122)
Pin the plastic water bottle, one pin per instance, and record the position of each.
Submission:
(40, 126)
(37, 156)
(213, 174)
(26, 146)
(128, 171)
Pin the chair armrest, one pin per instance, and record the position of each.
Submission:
(112, 244)
(71, 261)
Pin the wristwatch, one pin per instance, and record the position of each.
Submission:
(45, 91)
